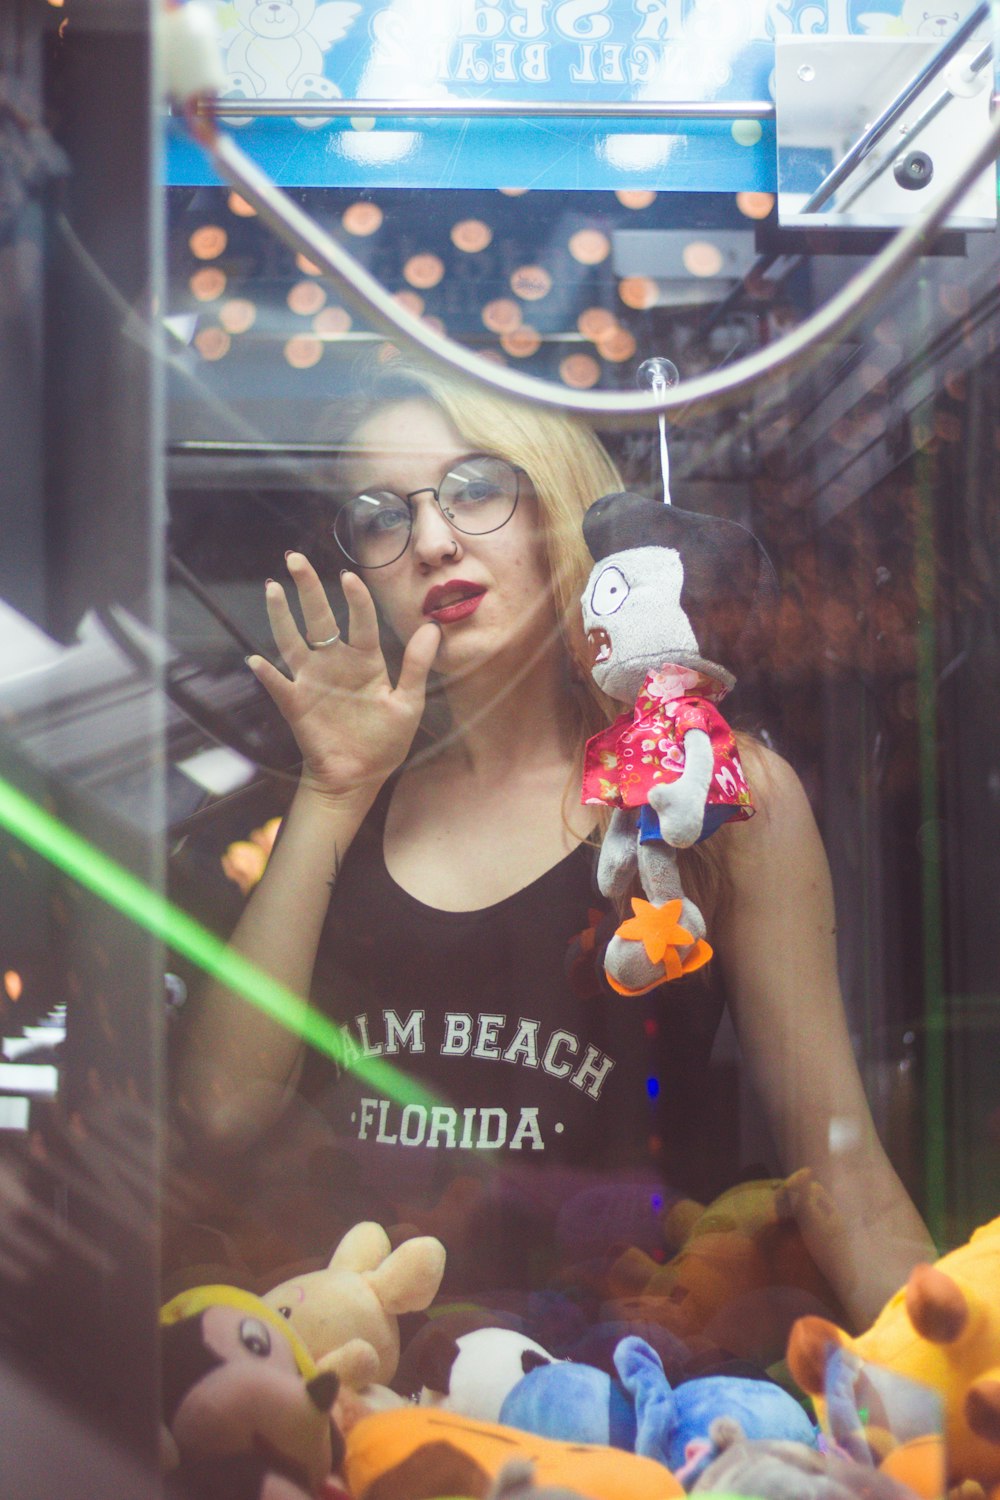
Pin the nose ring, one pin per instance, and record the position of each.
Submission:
(454, 549)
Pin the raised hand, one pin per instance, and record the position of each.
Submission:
(351, 725)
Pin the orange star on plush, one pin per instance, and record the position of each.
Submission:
(658, 930)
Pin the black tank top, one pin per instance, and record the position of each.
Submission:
(513, 1063)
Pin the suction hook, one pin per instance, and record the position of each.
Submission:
(659, 374)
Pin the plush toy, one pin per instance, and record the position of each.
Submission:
(741, 1274)
(935, 1344)
(474, 1373)
(245, 1411)
(640, 1412)
(420, 1452)
(781, 1470)
(346, 1314)
(672, 604)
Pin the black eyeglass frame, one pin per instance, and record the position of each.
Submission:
(430, 489)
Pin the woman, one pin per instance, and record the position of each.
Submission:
(462, 876)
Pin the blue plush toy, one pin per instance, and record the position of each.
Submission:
(642, 1413)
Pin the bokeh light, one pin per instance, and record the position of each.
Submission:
(638, 291)
(13, 985)
(635, 198)
(580, 371)
(240, 207)
(436, 324)
(212, 343)
(332, 321)
(307, 266)
(208, 242)
(412, 301)
(471, 235)
(302, 351)
(510, 192)
(594, 321)
(208, 283)
(424, 270)
(362, 218)
(589, 246)
(502, 315)
(755, 205)
(522, 342)
(702, 258)
(615, 344)
(237, 315)
(306, 298)
(531, 283)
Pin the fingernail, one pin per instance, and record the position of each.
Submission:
(268, 582)
(346, 573)
(247, 660)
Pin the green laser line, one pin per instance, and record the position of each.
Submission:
(95, 870)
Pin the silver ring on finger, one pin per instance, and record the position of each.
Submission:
(331, 640)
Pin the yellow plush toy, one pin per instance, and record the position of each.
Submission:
(941, 1332)
(741, 1273)
(346, 1314)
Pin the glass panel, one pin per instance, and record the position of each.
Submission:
(714, 1084)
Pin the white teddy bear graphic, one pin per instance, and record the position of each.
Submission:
(928, 18)
(277, 53)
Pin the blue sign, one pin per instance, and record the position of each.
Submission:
(588, 51)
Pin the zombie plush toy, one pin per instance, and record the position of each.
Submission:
(675, 603)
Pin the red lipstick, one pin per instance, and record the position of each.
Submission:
(454, 600)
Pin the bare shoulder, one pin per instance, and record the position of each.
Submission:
(782, 839)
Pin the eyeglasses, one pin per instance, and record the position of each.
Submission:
(477, 496)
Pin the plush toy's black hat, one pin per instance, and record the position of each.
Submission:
(730, 588)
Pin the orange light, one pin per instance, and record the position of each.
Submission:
(637, 291)
(616, 344)
(589, 246)
(512, 192)
(303, 351)
(308, 267)
(531, 283)
(522, 342)
(208, 242)
(240, 207)
(635, 198)
(434, 323)
(212, 343)
(702, 258)
(208, 283)
(362, 218)
(13, 984)
(594, 321)
(237, 315)
(412, 301)
(424, 270)
(755, 205)
(471, 235)
(332, 320)
(501, 315)
(306, 298)
(580, 371)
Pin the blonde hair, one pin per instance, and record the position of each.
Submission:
(569, 469)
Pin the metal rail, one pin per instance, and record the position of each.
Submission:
(796, 351)
(490, 109)
(876, 130)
